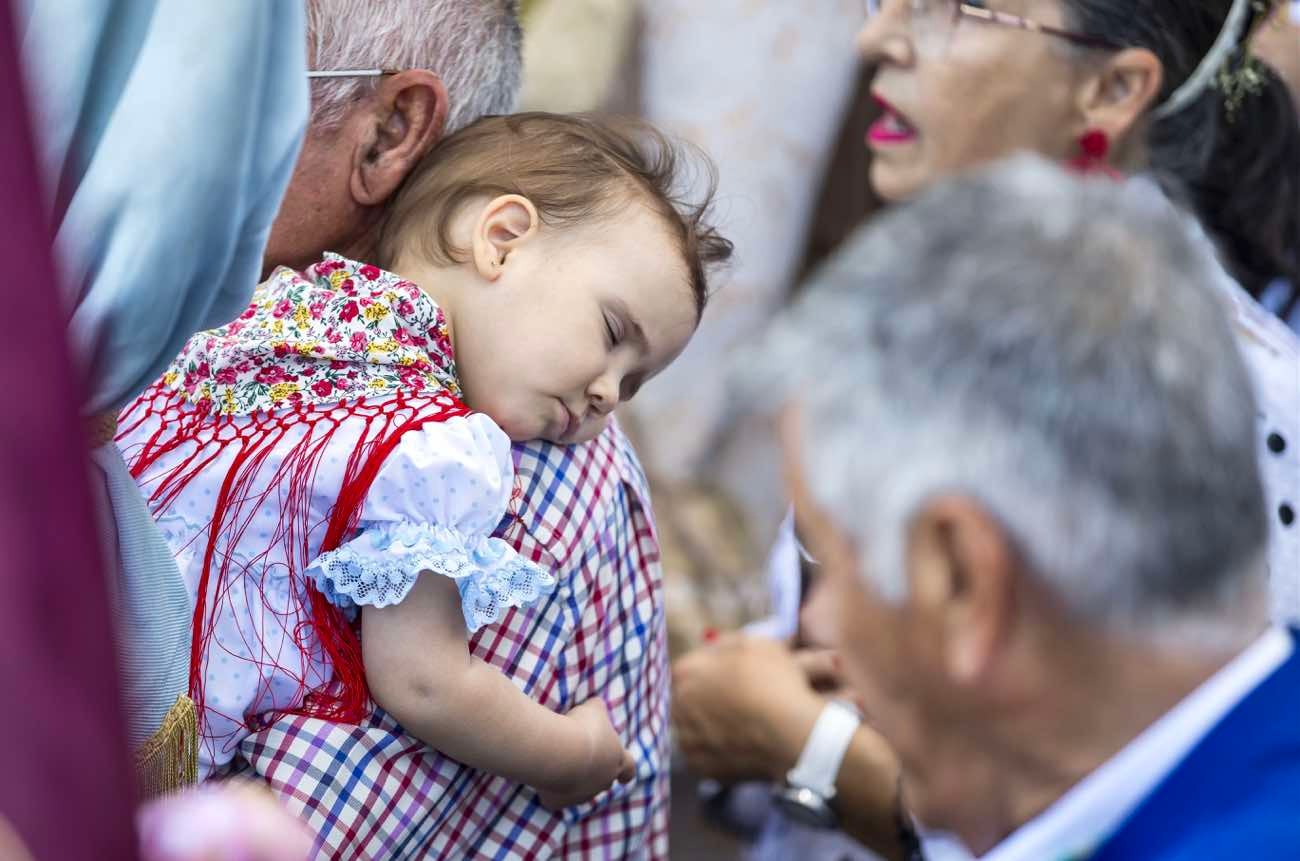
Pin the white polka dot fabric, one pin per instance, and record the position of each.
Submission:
(432, 508)
(1272, 353)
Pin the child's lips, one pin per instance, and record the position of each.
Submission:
(568, 422)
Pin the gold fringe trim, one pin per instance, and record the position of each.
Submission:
(101, 429)
(169, 759)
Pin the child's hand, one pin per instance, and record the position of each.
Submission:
(606, 761)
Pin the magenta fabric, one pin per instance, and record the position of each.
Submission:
(66, 784)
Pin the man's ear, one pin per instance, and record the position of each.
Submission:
(505, 223)
(407, 119)
(1120, 91)
(961, 571)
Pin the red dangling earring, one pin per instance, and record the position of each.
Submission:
(1094, 146)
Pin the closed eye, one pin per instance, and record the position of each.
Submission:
(613, 332)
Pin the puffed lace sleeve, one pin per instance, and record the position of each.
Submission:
(433, 508)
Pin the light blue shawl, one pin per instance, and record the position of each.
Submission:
(168, 131)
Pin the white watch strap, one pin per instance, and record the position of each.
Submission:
(819, 762)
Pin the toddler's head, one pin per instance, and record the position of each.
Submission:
(569, 266)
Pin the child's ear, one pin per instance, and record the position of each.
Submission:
(505, 223)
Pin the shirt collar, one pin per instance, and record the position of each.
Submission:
(1082, 819)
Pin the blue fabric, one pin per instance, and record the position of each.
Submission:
(169, 131)
(379, 567)
(1236, 795)
(152, 609)
(1274, 296)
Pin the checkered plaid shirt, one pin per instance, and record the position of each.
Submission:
(371, 791)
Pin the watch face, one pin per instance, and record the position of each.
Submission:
(804, 806)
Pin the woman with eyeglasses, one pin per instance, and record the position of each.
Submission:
(1168, 89)
(1164, 92)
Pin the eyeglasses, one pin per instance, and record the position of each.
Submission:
(938, 19)
(353, 73)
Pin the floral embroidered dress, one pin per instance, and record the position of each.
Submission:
(308, 458)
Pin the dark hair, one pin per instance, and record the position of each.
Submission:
(573, 168)
(1238, 168)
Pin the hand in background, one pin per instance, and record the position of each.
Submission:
(743, 709)
(221, 822)
(743, 706)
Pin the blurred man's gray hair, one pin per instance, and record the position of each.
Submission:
(475, 46)
(1056, 349)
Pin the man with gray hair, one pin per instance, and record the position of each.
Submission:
(1021, 448)
(389, 81)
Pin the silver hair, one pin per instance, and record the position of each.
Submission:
(1056, 349)
(475, 46)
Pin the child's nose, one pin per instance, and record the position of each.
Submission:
(604, 394)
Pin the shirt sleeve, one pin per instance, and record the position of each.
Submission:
(433, 508)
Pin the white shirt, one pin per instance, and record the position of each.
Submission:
(1272, 355)
(1082, 819)
(432, 506)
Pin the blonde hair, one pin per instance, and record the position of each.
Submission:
(572, 167)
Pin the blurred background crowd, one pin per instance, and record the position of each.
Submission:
(780, 96)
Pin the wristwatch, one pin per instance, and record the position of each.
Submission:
(810, 786)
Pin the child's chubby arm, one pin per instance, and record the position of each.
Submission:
(420, 671)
